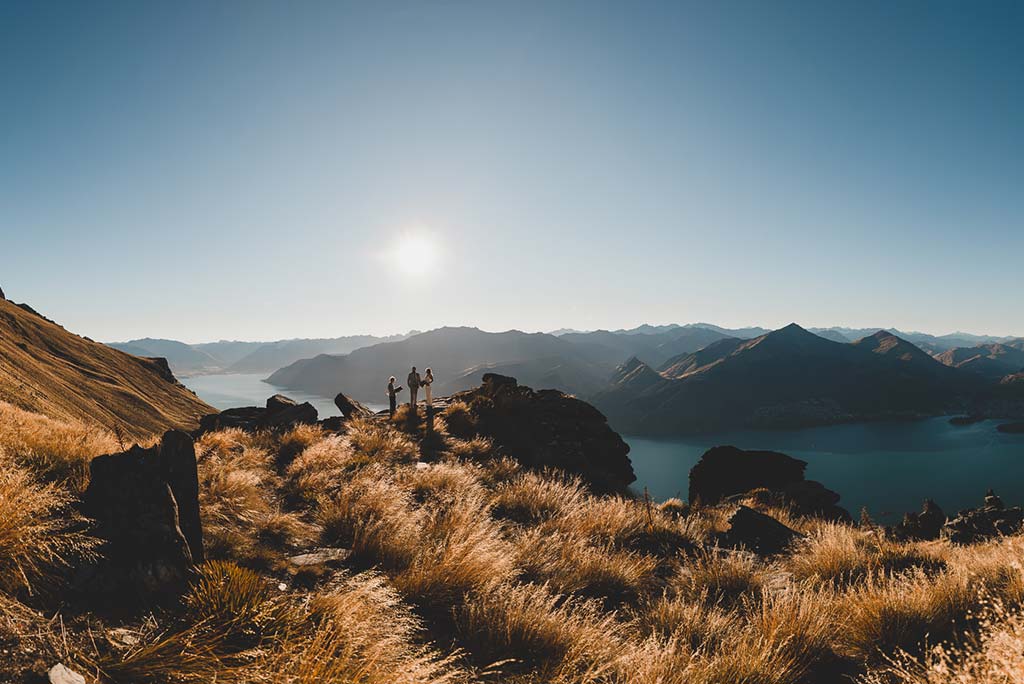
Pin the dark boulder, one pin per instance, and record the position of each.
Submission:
(2, 297)
(350, 408)
(757, 532)
(726, 471)
(1011, 428)
(992, 519)
(145, 503)
(547, 428)
(925, 525)
(281, 413)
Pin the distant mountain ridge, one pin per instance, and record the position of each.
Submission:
(243, 357)
(788, 377)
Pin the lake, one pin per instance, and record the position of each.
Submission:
(230, 390)
(889, 468)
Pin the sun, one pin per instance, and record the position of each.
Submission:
(415, 254)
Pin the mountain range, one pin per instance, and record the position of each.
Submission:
(229, 356)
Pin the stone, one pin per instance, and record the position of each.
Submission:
(60, 674)
(146, 506)
(925, 525)
(325, 556)
(728, 473)
(1011, 428)
(978, 524)
(2, 297)
(350, 408)
(757, 532)
(281, 413)
(548, 429)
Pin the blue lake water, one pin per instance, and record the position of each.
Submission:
(889, 468)
(230, 390)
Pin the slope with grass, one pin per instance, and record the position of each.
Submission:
(462, 567)
(46, 369)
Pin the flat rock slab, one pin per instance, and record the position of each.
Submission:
(327, 556)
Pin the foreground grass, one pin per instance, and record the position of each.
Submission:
(464, 567)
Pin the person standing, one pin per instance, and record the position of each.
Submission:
(392, 395)
(427, 381)
(414, 385)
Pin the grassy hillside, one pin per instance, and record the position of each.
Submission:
(463, 567)
(46, 369)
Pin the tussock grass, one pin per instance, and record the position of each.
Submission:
(53, 450)
(471, 569)
(39, 536)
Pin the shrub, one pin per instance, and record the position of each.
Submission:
(459, 420)
(531, 498)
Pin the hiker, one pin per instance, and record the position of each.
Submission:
(426, 382)
(414, 385)
(392, 395)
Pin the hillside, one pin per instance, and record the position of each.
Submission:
(789, 377)
(380, 551)
(992, 361)
(652, 346)
(458, 357)
(46, 369)
(182, 358)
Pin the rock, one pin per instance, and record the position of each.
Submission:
(281, 413)
(925, 525)
(146, 506)
(726, 471)
(279, 402)
(59, 674)
(978, 524)
(2, 297)
(547, 428)
(758, 532)
(1012, 428)
(350, 408)
(325, 556)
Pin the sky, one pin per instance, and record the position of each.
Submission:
(265, 170)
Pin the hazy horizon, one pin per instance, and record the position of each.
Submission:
(261, 170)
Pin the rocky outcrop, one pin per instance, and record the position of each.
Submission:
(350, 408)
(1012, 428)
(281, 413)
(146, 506)
(726, 471)
(547, 428)
(927, 524)
(993, 519)
(757, 532)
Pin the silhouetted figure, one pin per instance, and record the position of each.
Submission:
(427, 381)
(392, 395)
(414, 385)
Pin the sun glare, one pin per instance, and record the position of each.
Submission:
(415, 254)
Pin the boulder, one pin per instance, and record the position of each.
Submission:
(350, 408)
(281, 413)
(547, 428)
(992, 519)
(757, 532)
(145, 503)
(925, 525)
(726, 471)
(2, 297)
(1011, 428)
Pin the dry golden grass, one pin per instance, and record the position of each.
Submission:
(53, 450)
(470, 569)
(39, 536)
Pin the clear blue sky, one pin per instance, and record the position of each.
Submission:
(204, 170)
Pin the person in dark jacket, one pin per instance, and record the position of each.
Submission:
(392, 395)
(414, 385)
